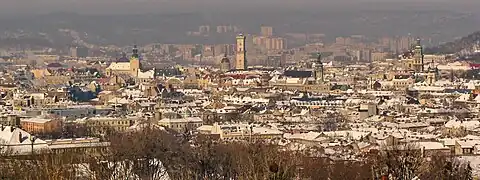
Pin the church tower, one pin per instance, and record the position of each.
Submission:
(241, 53)
(418, 57)
(318, 70)
(225, 63)
(432, 73)
(134, 62)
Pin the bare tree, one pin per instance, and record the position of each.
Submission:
(400, 161)
(447, 168)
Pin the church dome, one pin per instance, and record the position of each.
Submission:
(54, 65)
(123, 58)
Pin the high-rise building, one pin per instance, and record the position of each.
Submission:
(405, 43)
(266, 31)
(76, 51)
(241, 53)
(366, 55)
(270, 43)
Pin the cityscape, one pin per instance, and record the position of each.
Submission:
(225, 101)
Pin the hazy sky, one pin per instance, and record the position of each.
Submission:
(139, 6)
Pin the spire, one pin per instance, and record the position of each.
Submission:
(319, 69)
(226, 50)
(319, 58)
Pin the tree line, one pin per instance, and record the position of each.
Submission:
(156, 154)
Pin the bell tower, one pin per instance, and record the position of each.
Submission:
(225, 62)
(318, 70)
(241, 53)
(418, 57)
(134, 62)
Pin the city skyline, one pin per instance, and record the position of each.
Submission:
(247, 90)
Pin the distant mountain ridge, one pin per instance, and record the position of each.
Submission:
(463, 45)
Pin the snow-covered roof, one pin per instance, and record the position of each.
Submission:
(469, 125)
(310, 136)
(119, 66)
(17, 141)
(431, 145)
(182, 120)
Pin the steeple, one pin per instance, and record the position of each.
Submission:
(419, 42)
(319, 59)
(226, 51)
(418, 57)
(135, 64)
(135, 52)
(318, 69)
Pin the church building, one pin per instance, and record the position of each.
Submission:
(309, 78)
(127, 66)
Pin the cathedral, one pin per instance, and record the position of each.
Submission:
(127, 66)
(415, 58)
(414, 61)
(309, 78)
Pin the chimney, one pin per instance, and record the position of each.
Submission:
(20, 138)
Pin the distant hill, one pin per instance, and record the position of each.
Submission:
(464, 44)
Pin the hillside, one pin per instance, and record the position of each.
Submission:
(465, 45)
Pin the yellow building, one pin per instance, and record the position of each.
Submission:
(415, 63)
(40, 73)
(57, 79)
(240, 132)
(103, 125)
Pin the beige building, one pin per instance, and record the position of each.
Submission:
(266, 31)
(270, 43)
(123, 66)
(241, 53)
(240, 132)
(182, 124)
(379, 56)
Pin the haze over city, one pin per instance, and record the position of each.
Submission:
(159, 6)
(239, 90)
